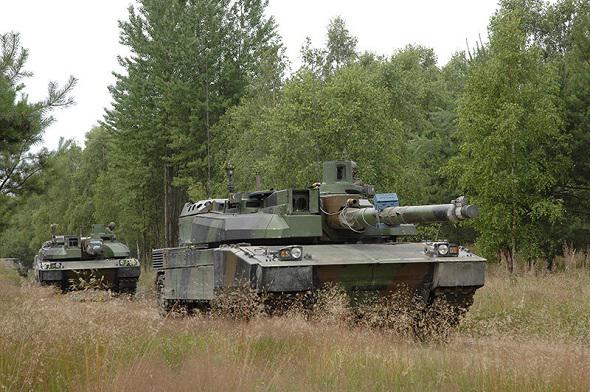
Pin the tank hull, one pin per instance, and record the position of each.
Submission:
(101, 274)
(190, 274)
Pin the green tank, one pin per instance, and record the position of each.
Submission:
(97, 261)
(338, 232)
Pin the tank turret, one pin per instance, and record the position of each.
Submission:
(340, 209)
(350, 215)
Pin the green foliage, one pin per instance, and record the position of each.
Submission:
(562, 31)
(395, 117)
(344, 117)
(190, 63)
(421, 97)
(513, 154)
(508, 125)
(21, 126)
(22, 122)
(575, 90)
(340, 50)
(68, 182)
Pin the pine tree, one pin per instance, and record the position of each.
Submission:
(22, 122)
(190, 62)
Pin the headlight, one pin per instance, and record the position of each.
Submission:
(290, 253)
(441, 249)
(44, 265)
(296, 253)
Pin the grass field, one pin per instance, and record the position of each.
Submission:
(524, 333)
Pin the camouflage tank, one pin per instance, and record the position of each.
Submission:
(96, 261)
(338, 232)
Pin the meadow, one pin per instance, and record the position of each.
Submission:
(526, 332)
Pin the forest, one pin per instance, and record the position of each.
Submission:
(506, 122)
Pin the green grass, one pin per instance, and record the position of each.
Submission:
(524, 333)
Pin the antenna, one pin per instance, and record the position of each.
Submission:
(229, 171)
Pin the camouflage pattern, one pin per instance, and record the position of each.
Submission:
(196, 273)
(300, 240)
(98, 261)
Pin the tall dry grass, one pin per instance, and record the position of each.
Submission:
(524, 333)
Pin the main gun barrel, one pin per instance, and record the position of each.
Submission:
(428, 214)
(361, 218)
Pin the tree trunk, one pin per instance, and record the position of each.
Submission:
(172, 196)
(513, 225)
(208, 131)
(530, 265)
(509, 260)
(146, 255)
(513, 245)
(550, 263)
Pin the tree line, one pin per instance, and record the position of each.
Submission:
(507, 123)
